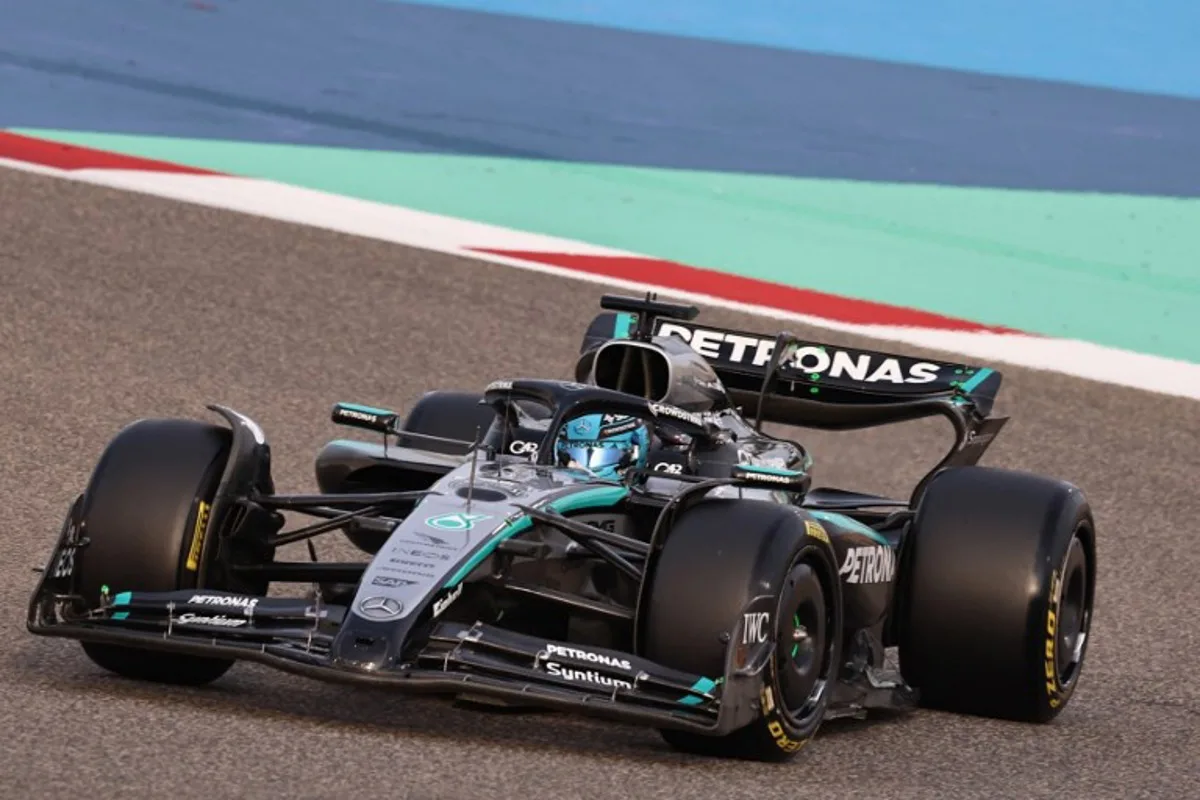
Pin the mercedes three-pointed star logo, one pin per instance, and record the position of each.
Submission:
(381, 608)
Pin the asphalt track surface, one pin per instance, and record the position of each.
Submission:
(115, 306)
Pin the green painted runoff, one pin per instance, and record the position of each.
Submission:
(1116, 270)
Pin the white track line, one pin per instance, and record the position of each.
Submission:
(454, 236)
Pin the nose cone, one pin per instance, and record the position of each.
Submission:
(361, 651)
(369, 635)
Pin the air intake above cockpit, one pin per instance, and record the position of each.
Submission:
(633, 368)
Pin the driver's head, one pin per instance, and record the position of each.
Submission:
(606, 444)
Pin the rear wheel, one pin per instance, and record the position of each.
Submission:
(717, 559)
(998, 586)
(145, 515)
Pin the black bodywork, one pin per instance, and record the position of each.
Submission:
(563, 580)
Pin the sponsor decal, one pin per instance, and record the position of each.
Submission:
(381, 608)
(416, 552)
(64, 565)
(520, 448)
(441, 605)
(751, 474)
(875, 564)
(673, 412)
(408, 563)
(364, 416)
(669, 468)
(204, 619)
(771, 714)
(625, 426)
(224, 600)
(608, 524)
(610, 424)
(815, 530)
(391, 583)
(756, 627)
(402, 571)
(499, 386)
(349, 413)
(587, 655)
(429, 540)
(586, 676)
(1053, 688)
(193, 557)
(455, 522)
(863, 367)
(704, 384)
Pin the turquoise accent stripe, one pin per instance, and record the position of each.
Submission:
(841, 520)
(623, 325)
(589, 498)
(595, 497)
(976, 379)
(122, 599)
(366, 409)
(703, 685)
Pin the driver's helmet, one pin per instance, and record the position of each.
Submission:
(606, 444)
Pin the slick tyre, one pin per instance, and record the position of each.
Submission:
(144, 513)
(449, 415)
(998, 577)
(718, 557)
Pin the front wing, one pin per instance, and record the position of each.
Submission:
(296, 636)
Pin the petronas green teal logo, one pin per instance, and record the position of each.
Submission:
(455, 522)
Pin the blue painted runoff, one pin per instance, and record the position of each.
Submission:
(1120, 44)
(374, 75)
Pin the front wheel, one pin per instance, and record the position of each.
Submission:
(145, 513)
(717, 559)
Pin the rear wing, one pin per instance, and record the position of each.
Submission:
(809, 383)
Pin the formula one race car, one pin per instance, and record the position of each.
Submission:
(627, 544)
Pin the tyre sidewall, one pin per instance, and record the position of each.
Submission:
(1074, 520)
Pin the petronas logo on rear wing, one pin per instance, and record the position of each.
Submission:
(752, 352)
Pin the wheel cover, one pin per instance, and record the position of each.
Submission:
(1073, 615)
(802, 657)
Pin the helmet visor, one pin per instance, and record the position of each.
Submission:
(596, 456)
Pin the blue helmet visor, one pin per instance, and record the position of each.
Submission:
(596, 456)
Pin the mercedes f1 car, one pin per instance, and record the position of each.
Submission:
(705, 588)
